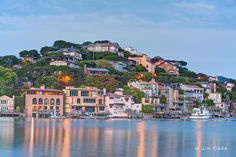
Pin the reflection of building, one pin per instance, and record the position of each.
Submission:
(43, 101)
(7, 104)
(88, 99)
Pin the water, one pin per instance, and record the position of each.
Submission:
(117, 138)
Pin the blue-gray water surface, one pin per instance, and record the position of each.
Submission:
(117, 138)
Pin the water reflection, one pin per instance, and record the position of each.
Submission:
(108, 138)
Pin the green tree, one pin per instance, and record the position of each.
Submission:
(106, 81)
(30, 53)
(44, 50)
(9, 61)
(140, 68)
(148, 109)
(163, 99)
(136, 93)
(7, 78)
(49, 81)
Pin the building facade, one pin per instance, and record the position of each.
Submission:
(192, 92)
(43, 102)
(7, 104)
(95, 71)
(87, 99)
(118, 105)
(104, 47)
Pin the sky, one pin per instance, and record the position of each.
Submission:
(201, 32)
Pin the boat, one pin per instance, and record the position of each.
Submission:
(200, 114)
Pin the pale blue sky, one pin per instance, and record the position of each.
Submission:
(201, 32)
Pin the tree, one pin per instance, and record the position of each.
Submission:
(44, 50)
(105, 81)
(159, 70)
(136, 93)
(140, 68)
(49, 81)
(147, 77)
(9, 60)
(163, 99)
(210, 102)
(148, 109)
(30, 53)
(7, 78)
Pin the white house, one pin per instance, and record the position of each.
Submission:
(7, 104)
(119, 104)
(193, 92)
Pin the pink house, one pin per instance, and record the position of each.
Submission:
(43, 102)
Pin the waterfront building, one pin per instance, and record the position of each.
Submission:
(216, 97)
(210, 87)
(150, 88)
(43, 102)
(84, 99)
(104, 47)
(7, 104)
(192, 92)
(119, 104)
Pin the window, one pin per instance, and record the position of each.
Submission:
(100, 92)
(78, 101)
(100, 101)
(84, 93)
(58, 102)
(111, 97)
(46, 101)
(52, 101)
(73, 92)
(101, 108)
(126, 99)
(40, 101)
(34, 101)
(89, 100)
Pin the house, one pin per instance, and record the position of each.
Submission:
(63, 63)
(216, 97)
(151, 63)
(95, 71)
(7, 104)
(171, 94)
(166, 65)
(132, 51)
(70, 54)
(43, 102)
(150, 89)
(84, 99)
(145, 61)
(104, 47)
(192, 92)
(229, 86)
(119, 104)
(210, 87)
(121, 66)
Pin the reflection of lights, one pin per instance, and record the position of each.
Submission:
(198, 138)
(141, 145)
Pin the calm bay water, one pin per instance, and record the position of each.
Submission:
(116, 138)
